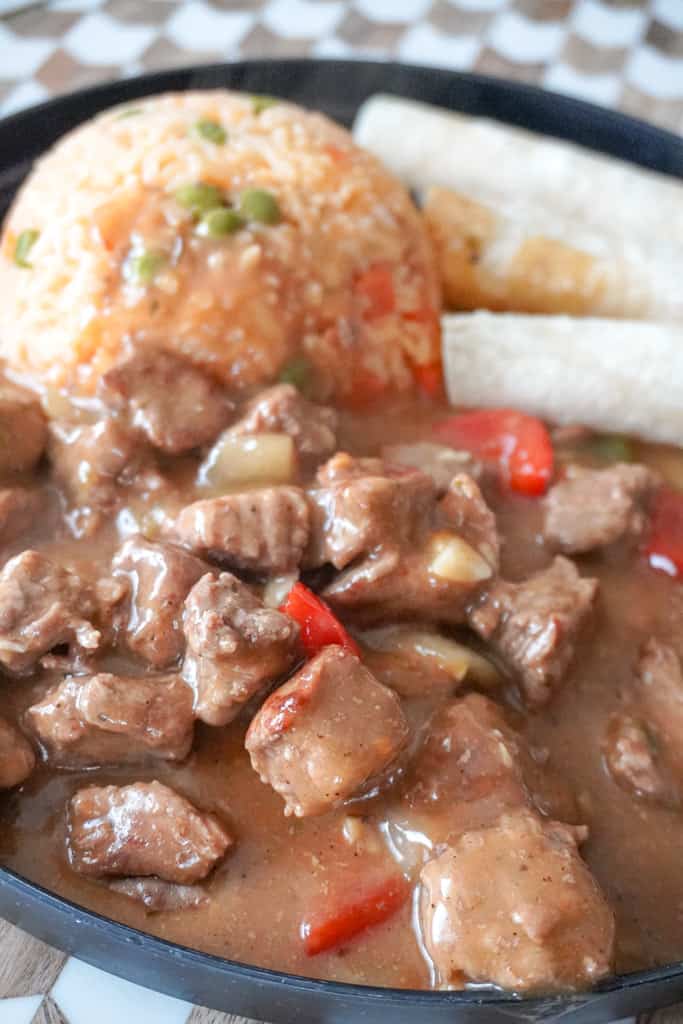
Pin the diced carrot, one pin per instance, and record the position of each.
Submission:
(429, 379)
(322, 933)
(375, 287)
(319, 625)
(365, 388)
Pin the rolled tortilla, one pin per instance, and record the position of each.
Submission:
(556, 228)
(614, 376)
(488, 260)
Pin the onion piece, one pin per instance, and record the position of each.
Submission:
(247, 460)
(452, 657)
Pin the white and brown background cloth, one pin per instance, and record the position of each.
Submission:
(621, 53)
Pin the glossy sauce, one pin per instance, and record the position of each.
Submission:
(281, 869)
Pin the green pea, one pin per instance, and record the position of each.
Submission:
(198, 198)
(25, 242)
(220, 222)
(612, 448)
(261, 103)
(298, 373)
(257, 204)
(144, 266)
(210, 131)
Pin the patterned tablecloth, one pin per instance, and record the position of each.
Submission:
(622, 53)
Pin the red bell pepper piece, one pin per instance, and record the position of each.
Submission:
(376, 288)
(664, 543)
(321, 933)
(319, 625)
(518, 443)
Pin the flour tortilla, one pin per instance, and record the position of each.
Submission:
(488, 260)
(614, 376)
(618, 228)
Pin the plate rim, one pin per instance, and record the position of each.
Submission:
(148, 84)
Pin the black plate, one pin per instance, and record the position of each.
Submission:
(336, 87)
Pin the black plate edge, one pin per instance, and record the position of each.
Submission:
(573, 119)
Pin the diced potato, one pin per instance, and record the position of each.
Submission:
(235, 462)
(458, 661)
(452, 558)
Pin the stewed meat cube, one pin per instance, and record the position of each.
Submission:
(160, 576)
(158, 896)
(17, 758)
(145, 828)
(19, 512)
(439, 461)
(534, 625)
(473, 766)
(515, 905)
(43, 606)
(23, 430)
(263, 531)
(173, 403)
(235, 646)
(644, 739)
(108, 719)
(362, 505)
(94, 462)
(596, 507)
(430, 570)
(282, 409)
(326, 733)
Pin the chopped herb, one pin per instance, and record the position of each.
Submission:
(210, 131)
(129, 112)
(261, 103)
(199, 198)
(257, 204)
(298, 372)
(612, 448)
(145, 265)
(25, 242)
(219, 222)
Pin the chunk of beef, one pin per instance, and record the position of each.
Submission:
(108, 719)
(19, 511)
(17, 759)
(516, 905)
(439, 461)
(160, 577)
(263, 531)
(363, 505)
(326, 733)
(236, 646)
(96, 462)
(173, 403)
(534, 625)
(473, 766)
(43, 606)
(635, 763)
(644, 740)
(159, 897)
(432, 567)
(142, 829)
(23, 430)
(284, 410)
(595, 507)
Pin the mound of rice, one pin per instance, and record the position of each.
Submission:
(346, 274)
